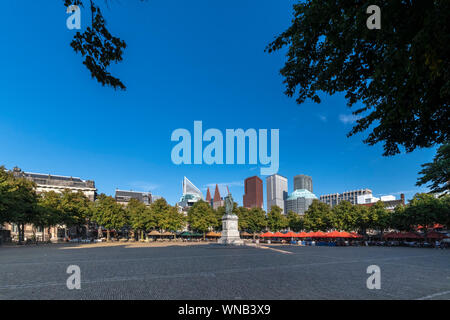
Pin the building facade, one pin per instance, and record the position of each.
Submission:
(56, 183)
(351, 196)
(302, 181)
(253, 196)
(389, 202)
(124, 196)
(299, 201)
(48, 182)
(191, 194)
(277, 191)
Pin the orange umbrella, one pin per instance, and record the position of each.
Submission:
(302, 235)
(290, 234)
(267, 235)
(334, 234)
(318, 234)
(278, 234)
(355, 235)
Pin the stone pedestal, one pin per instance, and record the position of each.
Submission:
(230, 232)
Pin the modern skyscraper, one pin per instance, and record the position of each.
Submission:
(277, 189)
(302, 181)
(191, 194)
(253, 196)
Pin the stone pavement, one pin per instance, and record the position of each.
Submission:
(208, 271)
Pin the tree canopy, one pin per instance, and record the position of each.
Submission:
(397, 75)
(97, 45)
(437, 173)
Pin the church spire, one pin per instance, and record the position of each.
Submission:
(217, 197)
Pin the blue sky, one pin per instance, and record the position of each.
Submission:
(185, 61)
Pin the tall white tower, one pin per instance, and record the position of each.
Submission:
(277, 190)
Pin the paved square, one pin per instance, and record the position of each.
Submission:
(216, 272)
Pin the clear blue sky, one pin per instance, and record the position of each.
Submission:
(185, 61)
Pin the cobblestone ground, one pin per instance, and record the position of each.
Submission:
(214, 272)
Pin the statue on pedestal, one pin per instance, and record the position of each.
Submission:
(230, 232)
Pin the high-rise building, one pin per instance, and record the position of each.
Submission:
(351, 196)
(253, 196)
(191, 194)
(277, 190)
(302, 181)
(124, 196)
(299, 201)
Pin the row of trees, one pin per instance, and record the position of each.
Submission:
(424, 210)
(19, 204)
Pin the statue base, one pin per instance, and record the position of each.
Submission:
(230, 232)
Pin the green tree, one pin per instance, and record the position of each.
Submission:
(97, 45)
(256, 220)
(380, 216)
(423, 210)
(252, 220)
(109, 214)
(243, 215)
(437, 173)
(50, 210)
(159, 215)
(399, 220)
(6, 201)
(23, 208)
(175, 219)
(365, 218)
(318, 216)
(139, 216)
(444, 213)
(276, 220)
(76, 209)
(344, 216)
(396, 73)
(295, 221)
(201, 217)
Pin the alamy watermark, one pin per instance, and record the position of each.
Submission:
(74, 20)
(74, 280)
(213, 153)
(374, 281)
(374, 20)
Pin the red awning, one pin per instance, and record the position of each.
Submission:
(267, 235)
(278, 234)
(290, 234)
(391, 235)
(410, 235)
(318, 234)
(435, 235)
(302, 235)
(334, 234)
(355, 235)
